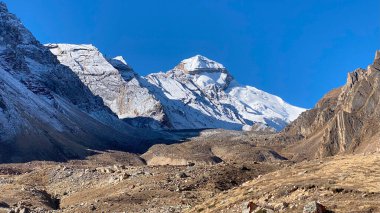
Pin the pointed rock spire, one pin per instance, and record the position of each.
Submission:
(376, 64)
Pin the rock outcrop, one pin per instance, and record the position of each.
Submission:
(314, 207)
(344, 121)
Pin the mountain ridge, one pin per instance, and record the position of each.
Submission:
(46, 112)
(197, 93)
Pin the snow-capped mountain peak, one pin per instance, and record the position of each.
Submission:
(204, 72)
(121, 59)
(214, 99)
(197, 93)
(199, 63)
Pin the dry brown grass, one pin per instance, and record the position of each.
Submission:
(348, 183)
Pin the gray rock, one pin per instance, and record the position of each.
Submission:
(314, 207)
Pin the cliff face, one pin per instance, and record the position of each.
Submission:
(346, 120)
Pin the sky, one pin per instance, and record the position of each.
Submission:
(296, 49)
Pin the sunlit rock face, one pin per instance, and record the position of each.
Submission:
(345, 120)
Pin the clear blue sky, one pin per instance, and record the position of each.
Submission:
(297, 49)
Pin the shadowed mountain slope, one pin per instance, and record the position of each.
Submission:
(46, 113)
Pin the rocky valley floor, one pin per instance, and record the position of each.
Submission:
(118, 182)
(121, 182)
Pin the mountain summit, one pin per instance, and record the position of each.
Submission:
(209, 91)
(199, 63)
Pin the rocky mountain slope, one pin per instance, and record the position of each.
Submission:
(346, 120)
(45, 110)
(198, 93)
(114, 82)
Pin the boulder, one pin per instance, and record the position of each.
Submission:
(314, 207)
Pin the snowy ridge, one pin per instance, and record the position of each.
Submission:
(188, 108)
(197, 93)
(113, 81)
(208, 88)
(259, 106)
(120, 59)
